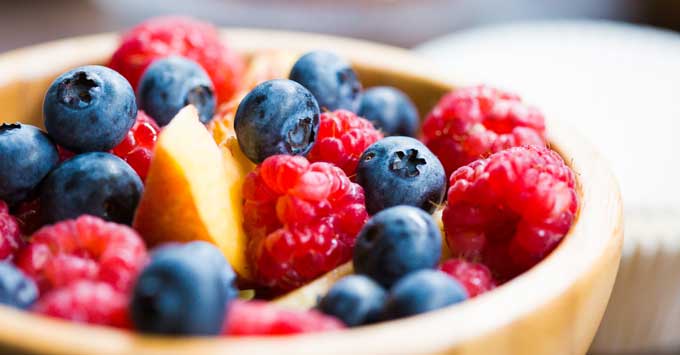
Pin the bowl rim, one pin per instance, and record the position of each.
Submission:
(594, 240)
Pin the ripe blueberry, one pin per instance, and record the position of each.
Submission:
(277, 117)
(89, 108)
(97, 184)
(16, 289)
(26, 156)
(401, 171)
(422, 291)
(182, 291)
(171, 83)
(395, 242)
(330, 78)
(355, 300)
(390, 110)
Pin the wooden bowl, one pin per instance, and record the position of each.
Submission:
(553, 308)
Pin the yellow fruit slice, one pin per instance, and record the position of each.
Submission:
(190, 194)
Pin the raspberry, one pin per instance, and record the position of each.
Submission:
(137, 146)
(10, 236)
(475, 277)
(87, 302)
(301, 218)
(164, 36)
(84, 248)
(261, 318)
(342, 137)
(470, 123)
(28, 216)
(511, 209)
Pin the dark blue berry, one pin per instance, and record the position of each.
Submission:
(390, 110)
(182, 291)
(395, 242)
(277, 117)
(27, 155)
(422, 291)
(97, 184)
(355, 300)
(330, 78)
(172, 83)
(16, 289)
(89, 108)
(401, 171)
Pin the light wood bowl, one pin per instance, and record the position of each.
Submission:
(554, 308)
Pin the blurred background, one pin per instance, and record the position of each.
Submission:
(400, 22)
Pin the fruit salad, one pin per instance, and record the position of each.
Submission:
(182, 189)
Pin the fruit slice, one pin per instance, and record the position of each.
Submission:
(307, 296)
(191, 194)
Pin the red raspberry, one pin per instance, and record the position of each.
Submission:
(470, 123)
(137, 146)
(342, 138)
(302, 219)
(64, 154)
(87, 302)
(511, 209)
(84, 248)
(27, 214)
(475, 277)
(10, 236)
(164, 36)
(262, 318)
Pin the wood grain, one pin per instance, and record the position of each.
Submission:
(554, 308)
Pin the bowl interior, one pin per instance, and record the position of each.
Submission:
(562, 298)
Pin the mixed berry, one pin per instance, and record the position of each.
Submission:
(176, 180)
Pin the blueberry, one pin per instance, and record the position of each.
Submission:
(209, 253)
(390, 110)
(330, 78)
(422, 291)
(26, 156)
(89, 108)
(395, 242)
(276, 117)
(172, 83)
(182, 291)
(16, 289)
(97, 184)
(401, 171)
(355, 300)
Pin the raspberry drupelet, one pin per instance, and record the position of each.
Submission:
(510, 210)
(262, 318)
(342, 137)
(471, 123)
(86, 248)
(175, 35)
(475, 277)
(137, 146)
(302, 219)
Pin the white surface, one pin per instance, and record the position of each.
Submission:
(618, 84)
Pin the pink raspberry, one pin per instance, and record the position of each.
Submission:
(471, 123)
(302, 219)
(262, 318)
(86, 302)
(342, 138)
(86, 248)
(511, 209)
(10, 236)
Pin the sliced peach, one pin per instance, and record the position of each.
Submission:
(191, 193)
